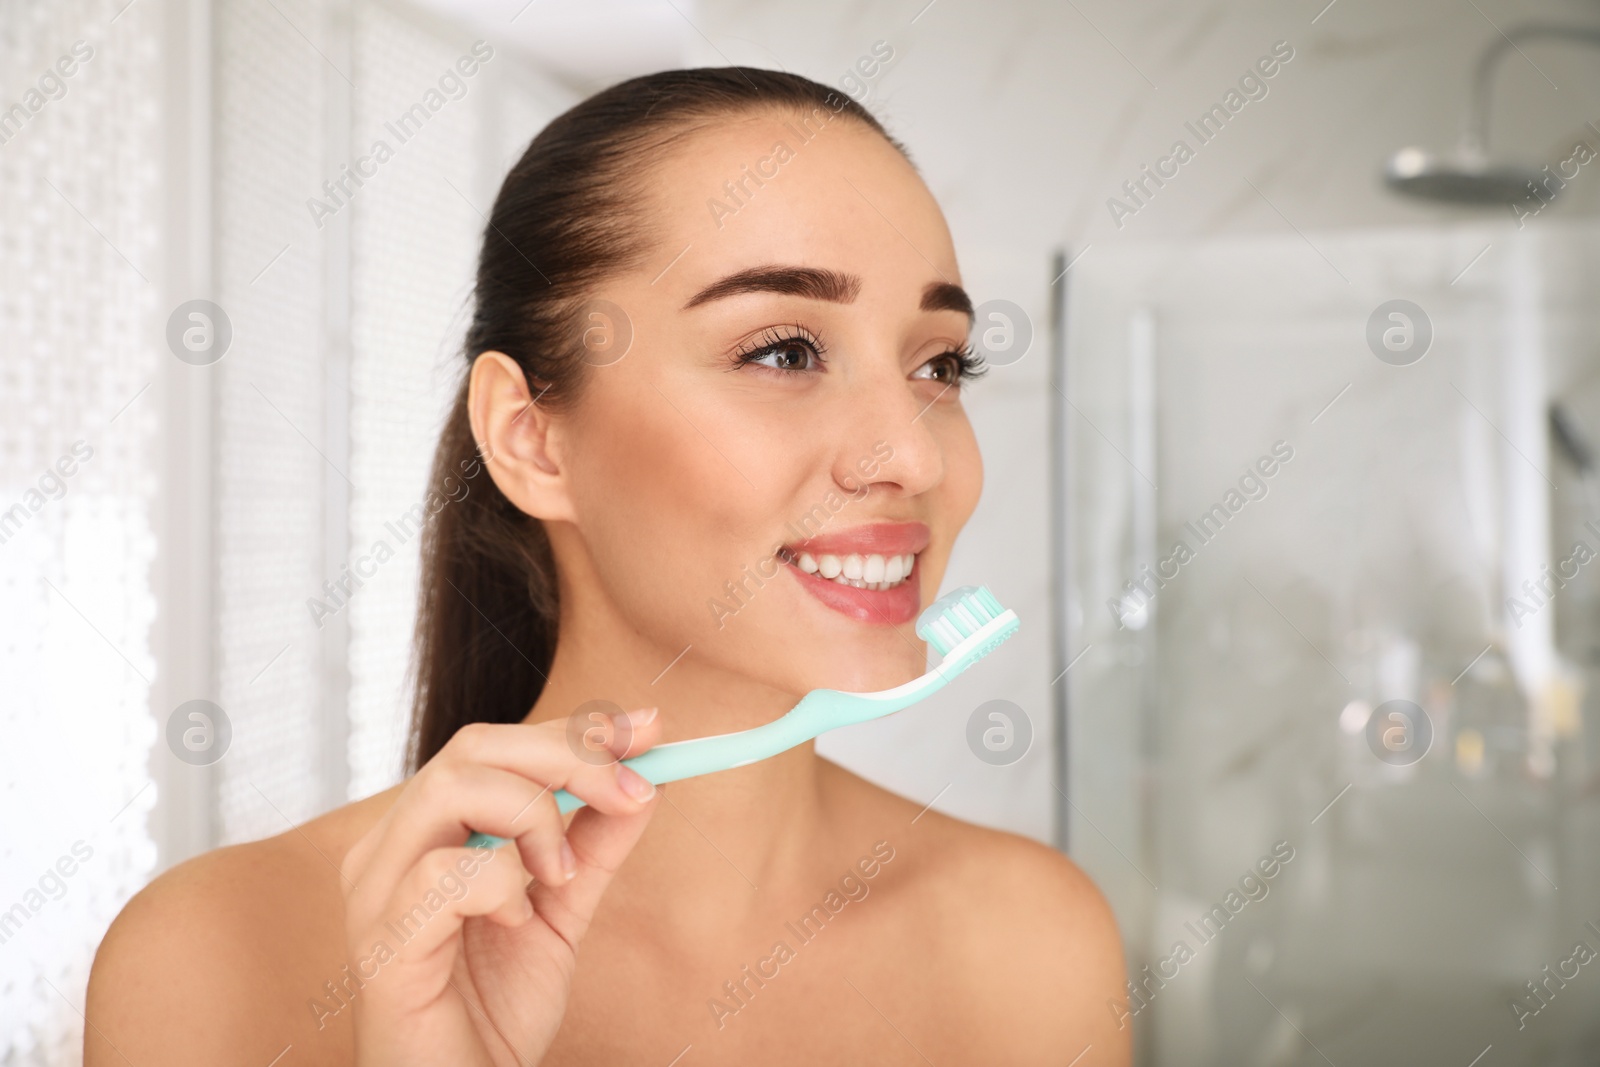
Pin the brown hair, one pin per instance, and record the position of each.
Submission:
(570, 214)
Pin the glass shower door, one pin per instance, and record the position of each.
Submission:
(1331, 754)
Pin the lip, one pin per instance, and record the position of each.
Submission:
(886, 607)
(882, 538)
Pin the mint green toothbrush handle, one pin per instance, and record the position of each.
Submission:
(702, 755)
(964, 625)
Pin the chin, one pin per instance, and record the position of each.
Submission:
(866, 661)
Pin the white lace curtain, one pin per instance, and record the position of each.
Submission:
(80, 293)
(312, 430)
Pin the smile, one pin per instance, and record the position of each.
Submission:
(871, 571)
(868, 573)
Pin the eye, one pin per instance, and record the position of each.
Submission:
(784, 349)
(955, 366)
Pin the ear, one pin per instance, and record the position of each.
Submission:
(518, 438)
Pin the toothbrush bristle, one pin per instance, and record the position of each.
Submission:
(957, 615)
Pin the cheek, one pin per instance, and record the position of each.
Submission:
(963, 481)
(666, 517)
(954, 500)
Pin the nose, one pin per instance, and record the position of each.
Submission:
(888, 434)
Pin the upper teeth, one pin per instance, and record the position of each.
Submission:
(863, 572)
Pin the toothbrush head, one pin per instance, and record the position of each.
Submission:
(961, 614)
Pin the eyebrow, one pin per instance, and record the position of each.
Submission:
(819, 283)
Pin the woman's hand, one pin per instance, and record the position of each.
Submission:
(461, 960)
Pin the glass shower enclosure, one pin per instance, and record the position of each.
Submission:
(1330, 586)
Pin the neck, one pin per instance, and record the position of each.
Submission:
(715, 836)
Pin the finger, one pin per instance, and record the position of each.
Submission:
(452, 799)
(601, 843)
(634, 733)
(543, 752)
(541, 839)
(537, 832)
(442, 890)
(440, 805)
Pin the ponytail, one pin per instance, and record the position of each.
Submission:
(486, 621)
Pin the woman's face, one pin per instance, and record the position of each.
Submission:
(787, 399)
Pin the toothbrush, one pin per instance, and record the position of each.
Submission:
(963, 626)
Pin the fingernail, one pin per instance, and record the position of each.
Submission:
(641, 717)
(634, 784)
(569, 862)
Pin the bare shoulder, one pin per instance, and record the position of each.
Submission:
(1033, 935)
(216, 959)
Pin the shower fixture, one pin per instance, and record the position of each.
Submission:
(1469, 176)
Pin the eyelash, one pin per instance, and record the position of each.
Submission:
(969, 365)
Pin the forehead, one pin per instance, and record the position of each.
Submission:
(774, 187)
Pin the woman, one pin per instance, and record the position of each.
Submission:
(718, 351)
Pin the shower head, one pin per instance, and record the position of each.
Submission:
(1462, 179)
(1468, 177)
